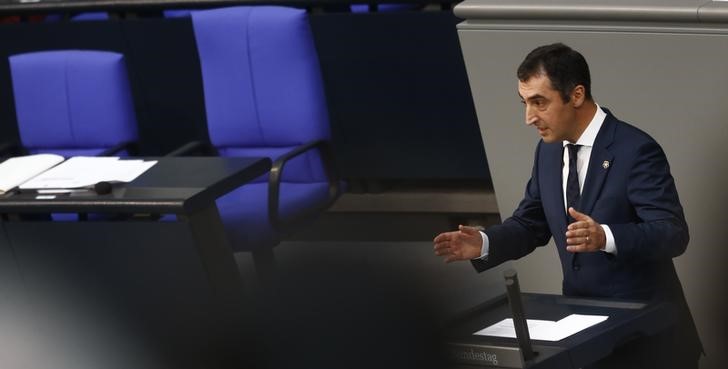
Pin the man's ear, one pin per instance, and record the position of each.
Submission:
(578, 96)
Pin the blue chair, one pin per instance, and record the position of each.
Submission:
(177, 13)
(84, 16)
(73, 102)
(264, 97)
(91, 16)
(383, 8)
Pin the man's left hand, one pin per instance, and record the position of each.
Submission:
(584, 235)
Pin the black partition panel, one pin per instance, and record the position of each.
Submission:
(398, 95)
(396, 87)
(165, 63)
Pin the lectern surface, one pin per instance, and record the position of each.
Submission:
(627, 319)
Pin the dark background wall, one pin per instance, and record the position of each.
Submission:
(399, 96)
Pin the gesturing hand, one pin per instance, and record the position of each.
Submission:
(584, 235)
(464, 244)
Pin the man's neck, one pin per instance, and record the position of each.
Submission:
(584, 115)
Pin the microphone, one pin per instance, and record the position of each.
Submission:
(519, 316)
(102, 188)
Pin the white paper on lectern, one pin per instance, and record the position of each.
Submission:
(544, 330)
(19, 169)
(86, 171)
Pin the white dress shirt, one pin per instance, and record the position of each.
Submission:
(586, 140)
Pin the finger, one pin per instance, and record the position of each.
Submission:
(582, 235)
(580, 224)
(576, 241)
(442, 245)
(470, 231)
(445, 236)
(577, 225)
(576, 248)
(577, 215)
(578, 232)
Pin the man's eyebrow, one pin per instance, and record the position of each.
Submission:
(531, 98)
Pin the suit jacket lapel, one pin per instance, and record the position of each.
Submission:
(599, 164)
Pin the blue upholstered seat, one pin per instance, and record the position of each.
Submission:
(264, 97)
(73, 102)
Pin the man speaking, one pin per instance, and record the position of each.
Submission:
(603, 190)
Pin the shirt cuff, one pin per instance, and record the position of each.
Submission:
(485, 248)
(611, 246)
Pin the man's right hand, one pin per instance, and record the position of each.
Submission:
(464, 244)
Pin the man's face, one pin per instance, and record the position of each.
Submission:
(546, 110)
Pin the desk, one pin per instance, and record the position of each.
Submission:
(180, 185)
(627, 320)
(148, 293)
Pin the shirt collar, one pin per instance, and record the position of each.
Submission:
(590, 133)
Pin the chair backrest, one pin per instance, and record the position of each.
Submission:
(72, 102)
(84, 16)
(384, 8)
(262, 84)
(177, 13)
(91, 16)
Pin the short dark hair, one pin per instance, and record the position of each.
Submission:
(564, 67)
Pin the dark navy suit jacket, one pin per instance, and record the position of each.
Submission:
(628, 187)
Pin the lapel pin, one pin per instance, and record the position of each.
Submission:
(605, 164)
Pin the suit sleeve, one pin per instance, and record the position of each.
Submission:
(520, 234)
(660, 231)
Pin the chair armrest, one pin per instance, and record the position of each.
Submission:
(129, 146)
(192, 147)
(276, 174)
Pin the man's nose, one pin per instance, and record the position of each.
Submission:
(531, 117)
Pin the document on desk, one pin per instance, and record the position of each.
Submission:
(544, 330)
(86, 171)
(19, 169)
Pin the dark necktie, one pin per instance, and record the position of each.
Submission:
(572, 182)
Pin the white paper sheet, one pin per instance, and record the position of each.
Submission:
(86, 171)
(19, 169)
(544, 330)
